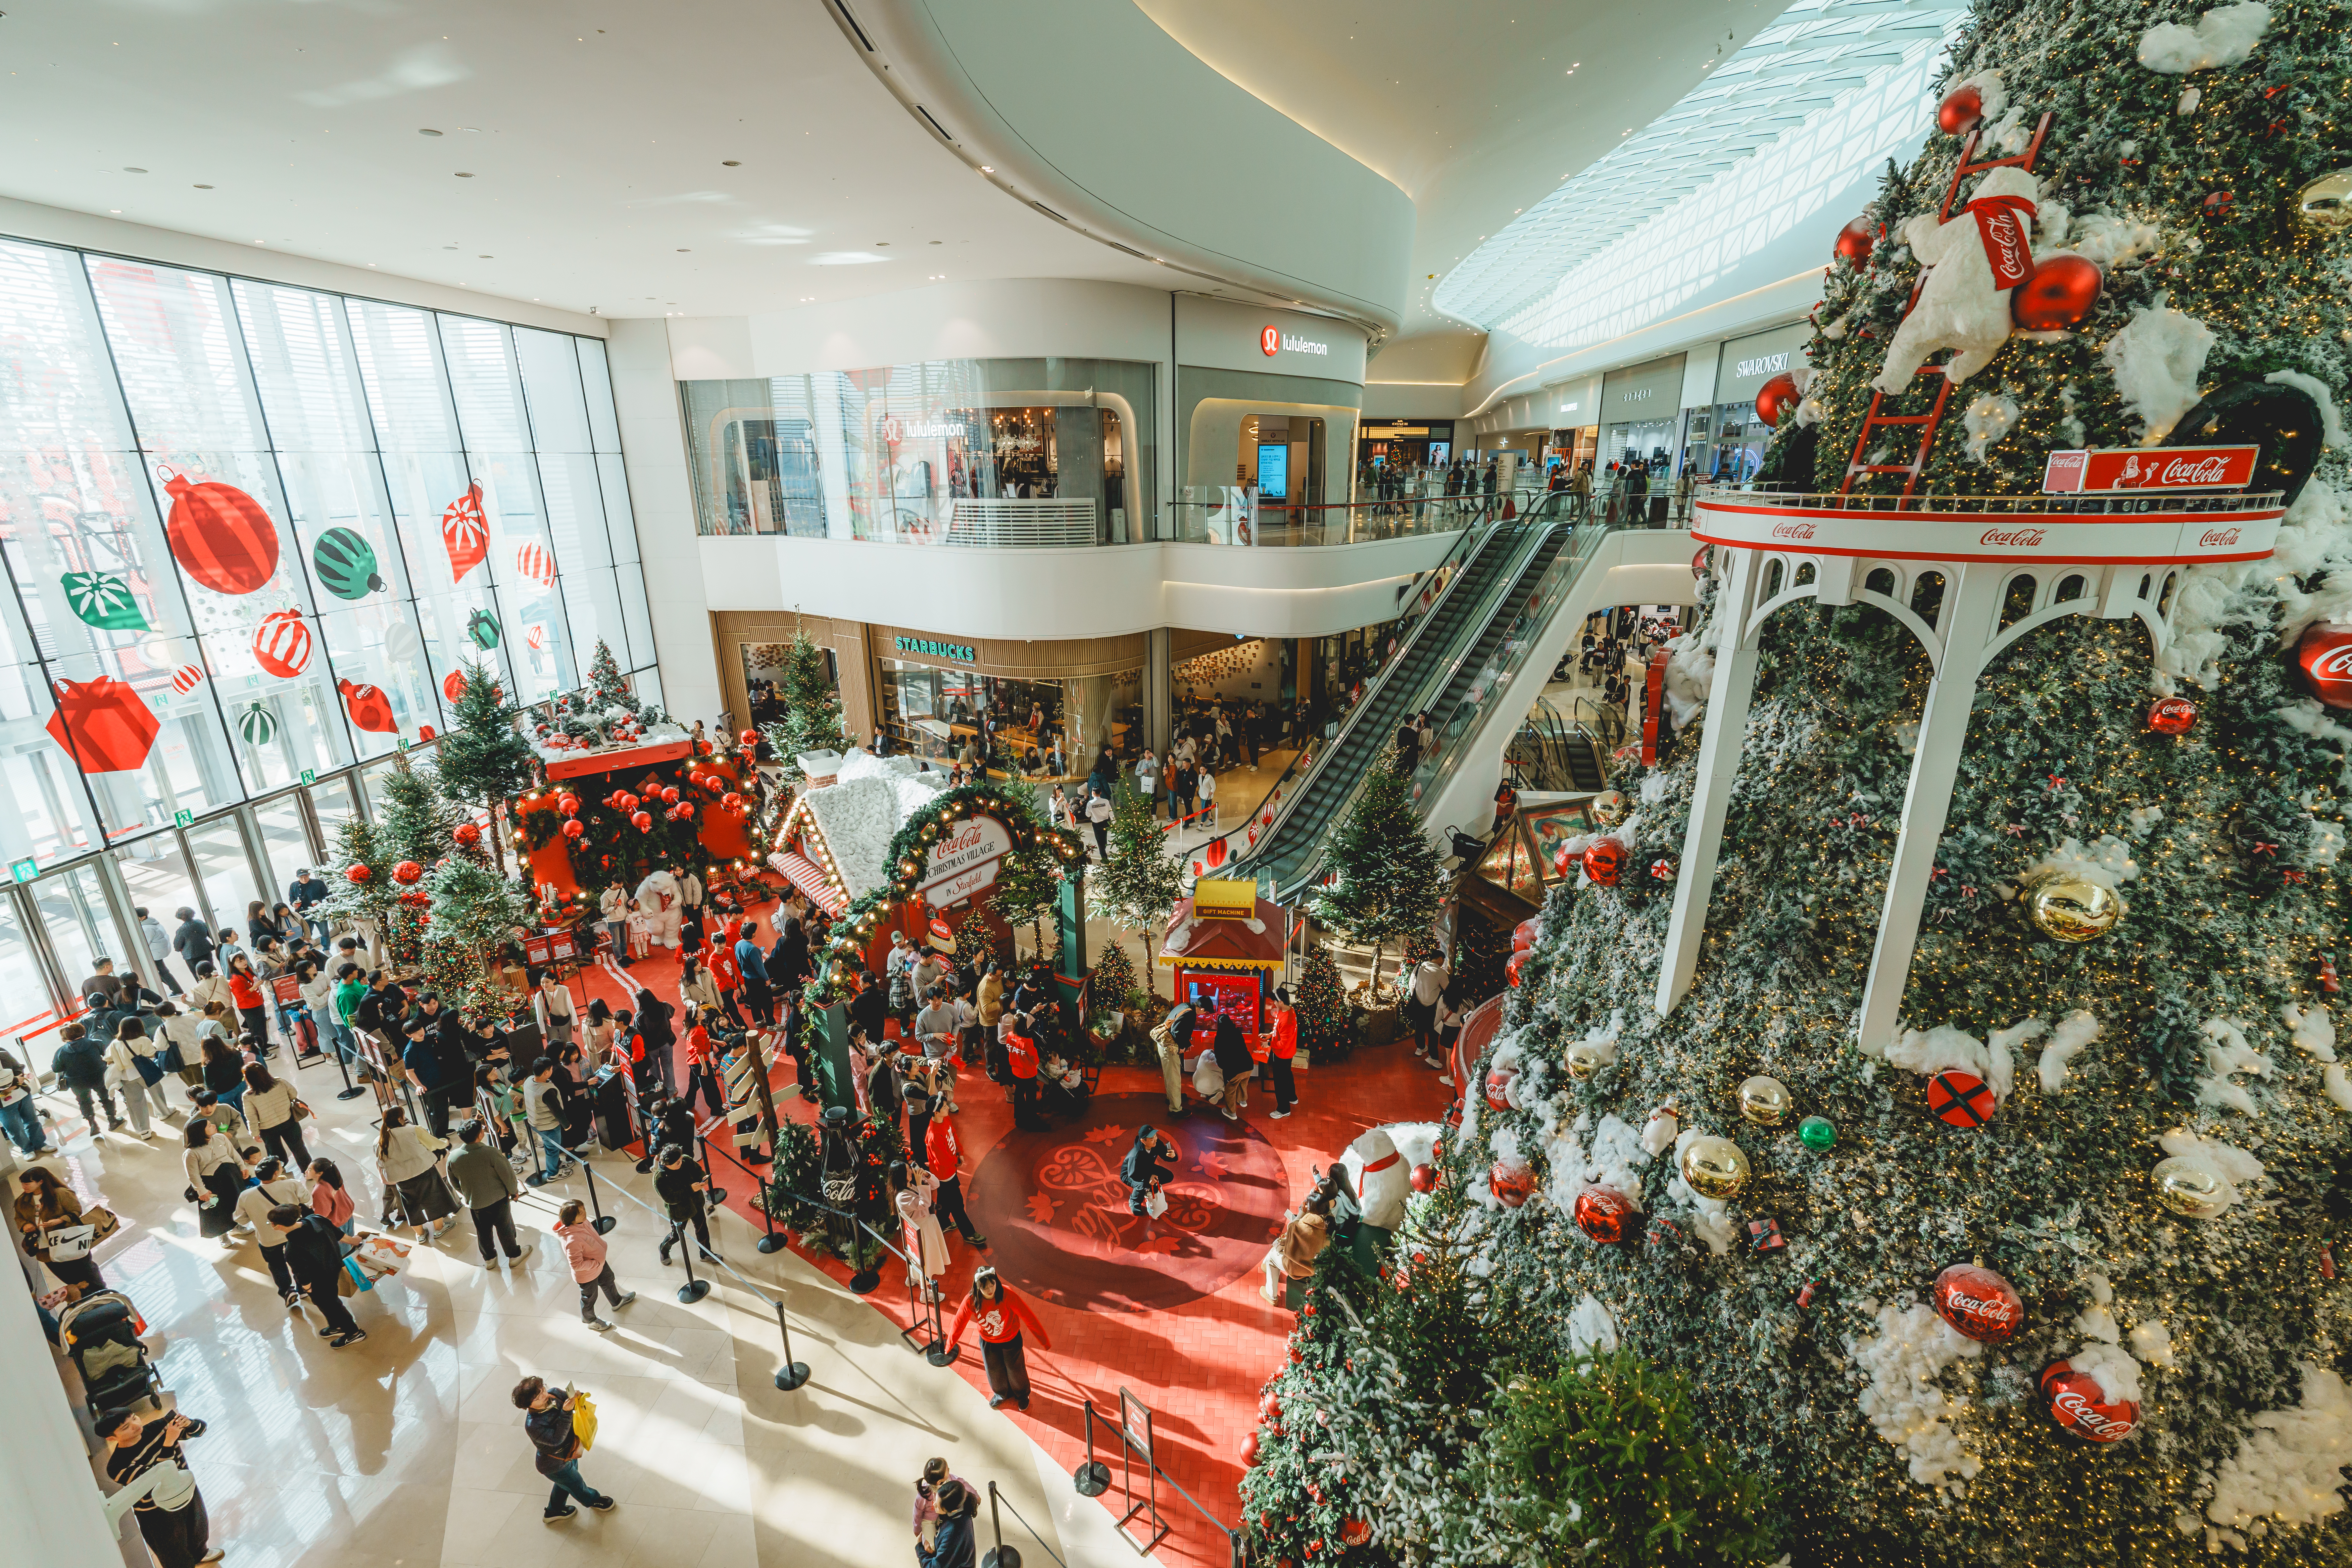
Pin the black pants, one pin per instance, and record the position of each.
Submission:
(171, 982)
(437, 1111)
(1286, 1088)
(1024, 1102)
(285, 1140)
(588, 1288)
(326, 1296)
(495, 1220)
(919, 1128)
(179, 1537)
(948, 1206)
(694, 1217)
(1008, 1370)
(704, 1080)
(82, 1093)
(280, 1276)
(256, 1022)
(1102, 839)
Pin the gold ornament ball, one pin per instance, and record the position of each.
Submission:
(2326, 201)
(1608, 808)
(1714, 1167)
(2070, 910)
(2189, 1189)
(1584, 1058)
(1765, 1101)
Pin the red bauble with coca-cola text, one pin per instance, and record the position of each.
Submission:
(1511, 1185)
(1499, 1088)
(1355, 1533)
(2323, 661)
(1856, 239)
(2081, 1407)
(2171, 715)
(1776, 397)
(1605, 1215)
(1979, 1303)
(1962, 107)
(1604, 861)
(2058, 295)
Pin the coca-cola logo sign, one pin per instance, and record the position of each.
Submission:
(2015, 538)
(1993, 1309)
(2216, 538)
(976, 842)
(1792, 530)
(1977, 1302)
(2087, 1416)
(2135, 468)
(2081, 1407)
(2322, 658)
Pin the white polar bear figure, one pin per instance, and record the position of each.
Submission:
(660, 900)
(1959, 306)
(1380, 1166)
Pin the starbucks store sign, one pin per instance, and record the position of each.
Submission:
(962, 652)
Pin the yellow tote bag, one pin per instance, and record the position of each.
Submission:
(583, 1421)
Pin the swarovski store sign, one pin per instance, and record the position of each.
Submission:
(1643, 392)
(1749, 363)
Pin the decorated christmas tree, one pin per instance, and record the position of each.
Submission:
(360, 890)
(419, 823)
(2020, 1247)
(1384, 886)
(1325, 1030)
(1139, 882)
(485, 762)
(811, 721)
(475, 914)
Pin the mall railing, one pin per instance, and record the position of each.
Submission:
(1221, 517)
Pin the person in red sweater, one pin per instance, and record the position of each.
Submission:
(702, 1069)
(727, 975)
(1001, 1317)
(1021, 1054)
(944, 1156)
(1280, 1049)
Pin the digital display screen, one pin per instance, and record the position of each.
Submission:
(1273, 472)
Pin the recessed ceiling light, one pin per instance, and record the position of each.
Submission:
(939, 242)
(428, 133)
(987, 169)
(449, 247)
(116, 211)
(465, 176)
(485, 259)
(730, 163)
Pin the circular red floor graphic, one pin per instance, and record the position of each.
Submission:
(1055, 1210)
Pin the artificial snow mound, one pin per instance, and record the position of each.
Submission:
(2286, 1470)
(2156, 359)
(1913, 1348)
(2222, 36)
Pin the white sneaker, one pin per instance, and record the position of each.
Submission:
(600, 1325)
(1277, 1115)
(627, 1297)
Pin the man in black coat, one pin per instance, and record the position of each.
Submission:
(305, 893)
(314, 1253)
(681, 1184)
(81, 1066)
(193, 939)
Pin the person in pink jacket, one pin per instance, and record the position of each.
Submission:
(584, 1250)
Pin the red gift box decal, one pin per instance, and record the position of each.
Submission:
(104, 725)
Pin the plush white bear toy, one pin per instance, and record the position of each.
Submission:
(1962, 305)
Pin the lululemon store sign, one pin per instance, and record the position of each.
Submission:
(1275, 340)
(964, 861)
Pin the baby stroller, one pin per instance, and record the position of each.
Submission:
(100, 1333)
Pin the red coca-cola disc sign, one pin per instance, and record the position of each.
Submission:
(2081, 1408)
(1979, 1303)
(2323, 657)
(2146, 468)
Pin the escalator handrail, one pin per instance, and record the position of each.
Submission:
(1504, 532)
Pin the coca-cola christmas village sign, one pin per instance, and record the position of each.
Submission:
(963, 862)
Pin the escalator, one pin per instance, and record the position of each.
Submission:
(1583, 754)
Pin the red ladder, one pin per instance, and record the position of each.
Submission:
(1855, 468)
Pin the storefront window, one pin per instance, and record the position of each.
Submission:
(978, 452)
(1038, 728)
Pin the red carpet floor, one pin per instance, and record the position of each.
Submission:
(1173, 1317)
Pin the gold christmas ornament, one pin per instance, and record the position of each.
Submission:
(2189, 1188)
(1608, 808)
(1714, 1167)
(2326, 201)
(1765, 1101)
(2070, 910)
(1584, 1058)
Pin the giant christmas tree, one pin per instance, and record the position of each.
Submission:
(2050, 1269)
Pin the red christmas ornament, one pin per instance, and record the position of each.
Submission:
(1960, 1099)
(1856, 239)
(1270, 1408)
(1776, 397)
(368, 707)
(1512, 1185)
(2171, 715)
(567, 805)
(104, 725)
(1524, 934)
(574, 830)
(1979, 1303)
(465, 532)
(1511, 969)
(2058, 295)
(1698, 563)
(1355, 1533)
(1605, 1215)
(1604, 860)
(2081, 1408)
(424, 731)
(220, 535)
(732, 802)
(1962, 107)
(357, 876)
(1249, 1450)
(685, 811)
(186, 678)
(281, 644)
(466, 833)
(452, 685)
(627, 801)
(669, 796)
(749, 739)
(1499, 1088)
(643, 821)
(2323, 660)
(406, 872)
(1423, 1178)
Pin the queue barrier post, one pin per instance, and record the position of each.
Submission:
(603, 1222)
(999, 1555)
(694, 1290)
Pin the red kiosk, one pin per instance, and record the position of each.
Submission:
(1224, 942)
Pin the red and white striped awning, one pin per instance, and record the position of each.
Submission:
(802, 872)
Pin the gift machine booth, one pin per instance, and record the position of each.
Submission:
(1224, 945)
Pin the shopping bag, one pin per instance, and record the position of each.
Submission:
(583, 1421)
(104, 1221)
(350, 1281)
(379, 1257)
(71, 1243)
(1156, 1204)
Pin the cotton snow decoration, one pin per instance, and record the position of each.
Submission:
(1944, 1048)
(2114, 242)
(2152, 1342)
(2228, 1053)
(2319, 391)
(2288, 1468)
(2073, 1036)
(1988, 419)
(1592, 1327)
(2222, 36)
(1900, 1399)
(1962, 305)
(2156, 359)
(2311, 1029)
(2105, 861)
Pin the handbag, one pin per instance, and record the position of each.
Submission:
(1156, 1204)
(103, 1221)
(71, 1243)
(301, 1111)
(151, 1071)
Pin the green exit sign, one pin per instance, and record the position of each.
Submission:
(183, 818)
(22, 870)
(403, 742)
(309, 775)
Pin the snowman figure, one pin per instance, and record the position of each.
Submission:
(1973, 261)
(662, 903)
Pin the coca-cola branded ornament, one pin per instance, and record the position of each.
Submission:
(2081, 1407)
(2172, 715)
(1776, 397)
(1355, 1533)
(1512, 1185)
(2323, 662)
(1606, 1215)
(220, 536)
(281, 644)
(1511, 969)
(1979, 1303)
(1499, 1088)
(1961, 108)
(2060, 294)
(1854, 241)
(406, 872)
(104, 725)
(1604, 861)
(368, 707)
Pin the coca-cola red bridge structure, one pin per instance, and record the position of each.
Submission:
(1968, 577)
